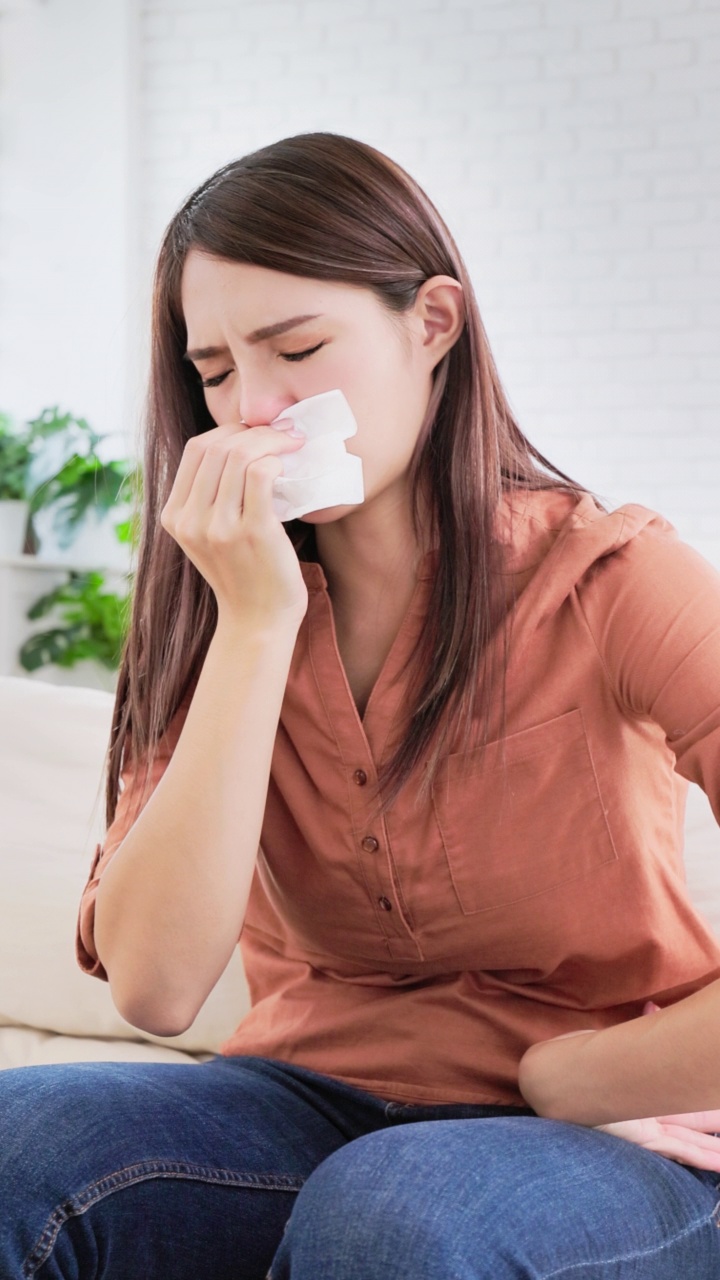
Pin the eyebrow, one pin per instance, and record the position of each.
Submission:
(258, 335)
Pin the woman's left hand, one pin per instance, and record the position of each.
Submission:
(691, 1138)
(688, 1139)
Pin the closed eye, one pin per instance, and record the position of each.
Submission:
(215, 382)
(300, 355)
(287, 355)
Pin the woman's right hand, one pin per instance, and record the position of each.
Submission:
(220, 512)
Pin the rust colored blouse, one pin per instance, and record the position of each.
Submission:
(419, 956)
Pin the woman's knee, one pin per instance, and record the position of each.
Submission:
(362, 1215)
(67, 1129)
(494, 1200)
(100, 1155)
(41, 1109)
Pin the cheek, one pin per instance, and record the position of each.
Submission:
(382, 389)
(385, 446)
(222, 404)
(214, 401)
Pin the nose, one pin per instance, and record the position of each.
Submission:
(256, 397)
(258, 405)
(261, 413)
(264, 414)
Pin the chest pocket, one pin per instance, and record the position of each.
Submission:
(521, 817)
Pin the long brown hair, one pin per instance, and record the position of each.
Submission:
(326, 206)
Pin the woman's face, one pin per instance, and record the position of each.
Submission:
(347, 340)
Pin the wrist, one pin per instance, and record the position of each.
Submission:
(262, 630)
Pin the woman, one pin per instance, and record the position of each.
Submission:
(457, 719)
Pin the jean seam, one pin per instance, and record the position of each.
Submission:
(639, 1253)
(129, 1176)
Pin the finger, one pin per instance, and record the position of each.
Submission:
(708, 1121)
(640, 1132)
(192, 458)
(709, 1141)
(257, 498)
(685, 1153)
(214, 463)
(243, 445)
(263, 442)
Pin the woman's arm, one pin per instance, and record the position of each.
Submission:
(654, 616)
(665, 1064)
(171, 901)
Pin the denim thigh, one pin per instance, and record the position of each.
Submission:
(501, 1199)
(119, 1170)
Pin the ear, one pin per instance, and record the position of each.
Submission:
(439, 313)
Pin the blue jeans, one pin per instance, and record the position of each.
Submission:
(248, 1167)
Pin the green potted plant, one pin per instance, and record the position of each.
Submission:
(16, 456)
(89, 621)
(91, 625)
(52, 467)
(56, 466)
(81, 486)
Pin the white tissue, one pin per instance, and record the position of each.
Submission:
(322, 473)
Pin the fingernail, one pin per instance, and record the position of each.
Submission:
(283, 424)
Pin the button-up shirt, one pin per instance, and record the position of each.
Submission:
(540, 888)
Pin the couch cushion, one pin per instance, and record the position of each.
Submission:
(53, 740)
(28, 1047)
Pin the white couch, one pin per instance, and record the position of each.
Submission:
(52, 747)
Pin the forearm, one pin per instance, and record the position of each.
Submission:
(171, 902)
(667, 1063)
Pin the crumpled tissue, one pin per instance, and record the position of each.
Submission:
(322, 473)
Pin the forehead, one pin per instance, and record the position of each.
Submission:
(215, 289)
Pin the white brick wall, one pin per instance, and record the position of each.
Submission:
(573, 150)
(571, 145)
(66, 186)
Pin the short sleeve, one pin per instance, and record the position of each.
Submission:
(132, 798)
(653, 609)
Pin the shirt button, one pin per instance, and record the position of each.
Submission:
(370, 844)
(385, 904)
(360, 777)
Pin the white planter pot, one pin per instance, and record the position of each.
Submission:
(94, 546)
(14, 514)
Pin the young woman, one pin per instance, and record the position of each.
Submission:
(427, 757)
